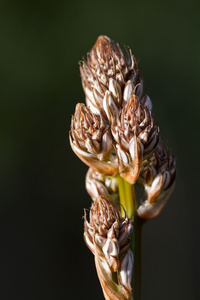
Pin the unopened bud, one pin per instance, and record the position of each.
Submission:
(158, 178)
(109, 69)
(91, 140)
(126, 269)
(101, 185)
(136, 136)
(108, 236)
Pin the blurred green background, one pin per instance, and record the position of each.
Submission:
(42, 193)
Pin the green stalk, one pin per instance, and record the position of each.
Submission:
(128, 201)
(126, 196)
(130, 196)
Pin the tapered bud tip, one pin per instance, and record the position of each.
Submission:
(102, 42)
(104, 212)
(108, 60)
(109, 77)
(104, 46)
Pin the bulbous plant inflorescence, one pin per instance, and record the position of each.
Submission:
(108, 236)
(116, 136)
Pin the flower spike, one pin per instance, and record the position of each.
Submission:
(116, 136)
(107, 235)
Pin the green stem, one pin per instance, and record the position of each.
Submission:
(130, 198)
(122, 195)
(126, 195)
(128, 201)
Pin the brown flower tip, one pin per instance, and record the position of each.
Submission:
(91, 140)
(109, 77)
(137, 120)
(107, 56)
(136, 136)
(103, 214)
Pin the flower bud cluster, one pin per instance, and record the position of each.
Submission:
(108, 236)
(157, 176)
(116, 126)
(115, 132)
(115, 135)
(91, 140)
(109, 74)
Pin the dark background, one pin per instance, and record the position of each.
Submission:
(42, 193)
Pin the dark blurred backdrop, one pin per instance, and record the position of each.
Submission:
(42, 193)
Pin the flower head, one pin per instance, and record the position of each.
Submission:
(109, 60)
(136, 136)
(91, 140)
(108, 236)
(158, 174)
(109, 77)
